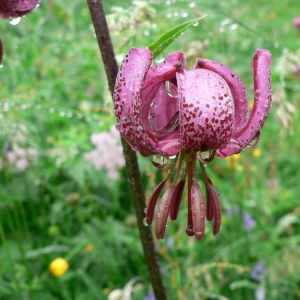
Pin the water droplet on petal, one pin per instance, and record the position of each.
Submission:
(159, 161)
(255, 140)
(15, 21)
(168, 89)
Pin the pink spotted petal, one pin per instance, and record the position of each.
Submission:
(237, 89)
(127, 100)
(206, 110)
(262, 104)
(160, 107)
(7, 7)
(16, 8)
(163, 212)
(152, 202)
(198, 211)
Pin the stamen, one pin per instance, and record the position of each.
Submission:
(177, 195)
(198, 211)
(152, 202)
(163, 212)
(191, 174)
(213, 211)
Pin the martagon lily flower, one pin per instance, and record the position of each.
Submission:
(16, 8)
(166, 111)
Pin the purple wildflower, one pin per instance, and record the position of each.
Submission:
(258, 271)
(249, 222)
(108, 154)
(150, 297)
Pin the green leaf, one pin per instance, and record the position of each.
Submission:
(170, 36)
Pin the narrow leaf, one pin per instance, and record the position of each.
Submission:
(170, 36)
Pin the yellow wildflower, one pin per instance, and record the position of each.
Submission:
(89, 248)
(58, 267)
(257, 152)
(232, 161)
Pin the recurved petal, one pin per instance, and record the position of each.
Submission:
(127, 100)
(206, 110)
(262, 104)
(160, 104)
(237, 89)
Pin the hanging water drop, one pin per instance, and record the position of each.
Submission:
(145, 222)
(196, 24)
(15, 21)
(159, 161)
(206, 156)
(1, 65)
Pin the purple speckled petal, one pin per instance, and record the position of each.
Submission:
(206, 110)
(16, 8)
(262, 104)
(127, 100)
(237, 89)
(159, 109)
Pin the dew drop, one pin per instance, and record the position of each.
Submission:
(206, 156)
(145, 210)
(1, 65)
(234, 26)
(159, 161)
(189, 230)
(196, 24)
(172, 157)
(145, 222)
(184, 14)
(192, 4)
(168, 89)
(15, 21)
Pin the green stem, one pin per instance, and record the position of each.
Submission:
(132, 167)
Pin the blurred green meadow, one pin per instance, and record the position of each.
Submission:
(63, 185)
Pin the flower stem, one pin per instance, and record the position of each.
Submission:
(133, 173)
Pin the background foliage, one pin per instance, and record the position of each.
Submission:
(63, 191)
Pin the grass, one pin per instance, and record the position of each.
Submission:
(54, 95)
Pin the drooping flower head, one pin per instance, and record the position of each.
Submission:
(16, 8)
(296, 22)
(165, 110)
